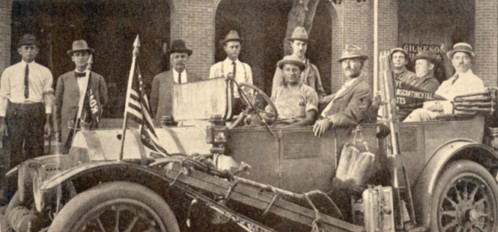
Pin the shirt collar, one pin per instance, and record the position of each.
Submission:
(25, 63)
(468, 73)
(228, 61)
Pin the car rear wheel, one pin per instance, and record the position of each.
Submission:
(465, 199)
(116, 206)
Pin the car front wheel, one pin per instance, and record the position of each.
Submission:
(465, 199)
(116, 206)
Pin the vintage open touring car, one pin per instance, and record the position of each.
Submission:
(291, 184)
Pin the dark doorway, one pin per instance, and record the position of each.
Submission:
(320, 46)
(263, 24)
(109, 26)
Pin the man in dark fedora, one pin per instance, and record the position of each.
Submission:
(161, 97)
(463, 82)
(295, 102)
(351, 103)
(26, 99)
(232, 44)
(310, 75)
(424, 80)
(75, 88)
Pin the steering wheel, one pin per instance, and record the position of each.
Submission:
(252, 104)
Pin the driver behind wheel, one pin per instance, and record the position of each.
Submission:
(296, 103)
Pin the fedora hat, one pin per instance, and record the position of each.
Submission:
(291, 59)
(27, 39)
(231, 36)
(80, 45)
(461, 47)
(352, 51)
(179, 46)
(427, 55)
(299, 34)
(402, 51)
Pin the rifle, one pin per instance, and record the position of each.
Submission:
(77, 119)
(393, 151)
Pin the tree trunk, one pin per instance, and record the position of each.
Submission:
(301, 14)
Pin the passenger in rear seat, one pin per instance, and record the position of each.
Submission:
(296, 103)
(352, 103)
(463, 82)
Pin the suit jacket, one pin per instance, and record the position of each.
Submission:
(352, 106)
(161, 96)
(67, 95)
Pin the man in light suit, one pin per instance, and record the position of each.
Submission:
(351, 104)
(161, 96)
(69, 90)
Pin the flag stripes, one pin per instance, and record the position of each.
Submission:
(139, 111)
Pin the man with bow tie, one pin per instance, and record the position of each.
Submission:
(463, 82)
(71, 89)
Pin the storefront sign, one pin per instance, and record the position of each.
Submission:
(413, 49)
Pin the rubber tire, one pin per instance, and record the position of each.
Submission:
(451, 174)
(79, 205)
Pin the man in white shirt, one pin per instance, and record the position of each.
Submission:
(242, 73)
(161, 98)
(295, 102)
(463, 82)
(26, 99)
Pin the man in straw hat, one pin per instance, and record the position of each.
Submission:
(296, 103)
(161, 98)
(26, 99)
(71, 89)
(423, 81)
(310, 75)
(463, 82)
(351, 104)
(241, 71)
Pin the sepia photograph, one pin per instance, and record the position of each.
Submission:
(248, 115)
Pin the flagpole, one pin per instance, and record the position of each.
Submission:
(136, 45)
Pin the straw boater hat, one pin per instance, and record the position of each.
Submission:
(231, 36)
(427, 55)
(299, 34)
(27, 39)
(179, 46)
(352, 51)
(80, 45)
(290, 59)
(461, 47)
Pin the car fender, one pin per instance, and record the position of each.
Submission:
(88, 168)
(450, 151)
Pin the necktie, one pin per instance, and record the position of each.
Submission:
(455, 79)
(26, 82)
(77, 74)
(179, 78)
(234, 69)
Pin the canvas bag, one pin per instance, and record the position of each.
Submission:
(355, 165)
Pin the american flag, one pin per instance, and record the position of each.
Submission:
(138, 110)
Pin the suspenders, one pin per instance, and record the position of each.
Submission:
(223, 70)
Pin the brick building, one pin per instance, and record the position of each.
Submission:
(110, 27)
